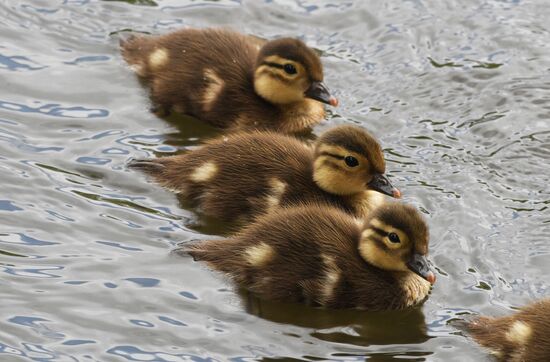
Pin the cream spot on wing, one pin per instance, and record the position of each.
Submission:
(332, 277)
(212, 90)
(138, 68)
(205, 172)
(271, 202)
(259, 255)
(158, 58)
(519, 333)
(277, 189)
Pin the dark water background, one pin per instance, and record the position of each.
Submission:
(457, 91)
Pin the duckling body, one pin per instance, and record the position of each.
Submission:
(238, 177)
(231, 80)
(523, 336)
(322, 256)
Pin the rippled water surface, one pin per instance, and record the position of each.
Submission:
(457, 91)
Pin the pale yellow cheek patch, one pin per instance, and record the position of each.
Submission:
(259, 255)
(335, 181)
(212, 90)
(274, 90)
(158, 58)
(378, 257)
(205, 172)
(519, 333)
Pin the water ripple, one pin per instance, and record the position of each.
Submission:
(20, 238)
(56, 110)
(89, 59)
(18, 62)
(33, 272)
(132, 353)
(7, 205)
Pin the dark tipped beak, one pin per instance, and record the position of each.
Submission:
(419, 264)
(381, 183)
(320, 92)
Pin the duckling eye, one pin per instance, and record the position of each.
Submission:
(394, 238)
(289, 68)
(351, 161)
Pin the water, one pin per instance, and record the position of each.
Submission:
(457, 91)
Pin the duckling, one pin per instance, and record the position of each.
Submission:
(237, 177)
(231, 80)
(523, 336)
(321, 256)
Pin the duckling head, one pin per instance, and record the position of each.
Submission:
(288, 71)
(349, 160)
(395, 238)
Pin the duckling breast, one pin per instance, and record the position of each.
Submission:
(414, 289)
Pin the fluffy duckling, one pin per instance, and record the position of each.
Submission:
(322, 256)
(523, 336)
(237, 177)
(231, 80)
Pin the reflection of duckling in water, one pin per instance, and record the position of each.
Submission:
(362, 328)
(523, 336)
(231, 80)
(322, 256)
(243, 175)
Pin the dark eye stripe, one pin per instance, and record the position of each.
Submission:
(332, 155)
(379, 231)
(274, 65)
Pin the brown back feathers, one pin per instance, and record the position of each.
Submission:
(523, 336)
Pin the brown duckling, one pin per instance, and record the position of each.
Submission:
(231, 80)
(322, 256)
(240, 176)
(523, 336)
